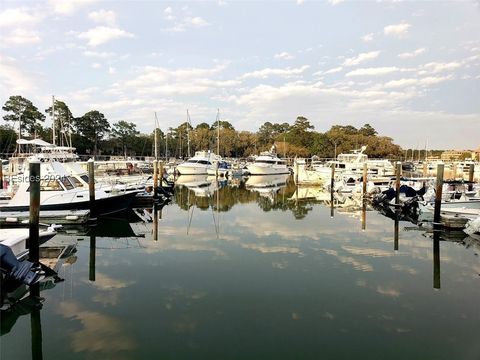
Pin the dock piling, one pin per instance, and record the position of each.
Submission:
(364, 189)
(91, 266)
(1, 176)
(425, 169)
(160, 184)
(33, 234)
(155, 178)
(438, 194)
(91, 187)
(471, 171)
(398, 173)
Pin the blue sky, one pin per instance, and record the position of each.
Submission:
(411, 69)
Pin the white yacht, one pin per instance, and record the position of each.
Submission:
(60, 191)
(268, 163)
(199, 164)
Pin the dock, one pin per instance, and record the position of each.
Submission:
(60, 217)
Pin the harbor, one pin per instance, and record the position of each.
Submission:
(229, 261)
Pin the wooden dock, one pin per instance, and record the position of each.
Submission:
(59, 217)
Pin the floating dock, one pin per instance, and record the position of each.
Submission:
(60, 217)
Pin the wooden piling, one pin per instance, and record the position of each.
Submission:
(364, 189)
(425, 169)
(36, 333)
(395, 232)
(454, 170)
(297, 167)
(471, 171)
(1, 176)
(161, 173)
(332, 184)
(436, 260)
(91, 187)
(155, 223)
(91, 265)
(155, 178)
(398, 173)
(364, 215)
(33, 236)
(438, 194)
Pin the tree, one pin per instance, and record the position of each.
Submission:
(8, 137)
(63, 122)
(367, 130)
(124, 132)
(25, 112)
(93, 127)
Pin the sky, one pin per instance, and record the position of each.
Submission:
(410, 69)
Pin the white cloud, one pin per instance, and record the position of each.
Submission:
(103, 16)
(367, 37)
(397, 30)
(12, 78)
(335, 2)
(412, 54)
(284, 55)
(435, 67)
(68, 7)
(426, 81)
(18, 17)
(300, 2)
(103, 34)
(196, 21)
(179, 24)
(21, 37)
(265, 73)
(376, 71)
(112, 70)
(361, 58)
(96, 65)
(330, 71)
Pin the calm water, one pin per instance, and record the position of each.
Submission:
(241, 273)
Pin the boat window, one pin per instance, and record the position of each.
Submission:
(204, 162)
(191, 161)
(50, 185)
(265, 162)
(66, 182)
(76, 182)
(84, 178)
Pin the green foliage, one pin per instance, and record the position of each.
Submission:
(63, 121)
(93, 126)
(124, 133)
(22, 109)
(8, 138)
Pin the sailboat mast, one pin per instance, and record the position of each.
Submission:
(53, 119)
(218, 132)
(155, 137)
(188, 134)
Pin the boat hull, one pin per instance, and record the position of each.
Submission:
(105, 206)
(267, 170)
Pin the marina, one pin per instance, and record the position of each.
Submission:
(228, 266)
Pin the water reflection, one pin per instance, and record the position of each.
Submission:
(235, 269)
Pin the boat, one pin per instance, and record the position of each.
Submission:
(198, 164)
(16, 239)
(268, 163)
(60, 191)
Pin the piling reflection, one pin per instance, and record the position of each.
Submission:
(436, 259)
(93, 249)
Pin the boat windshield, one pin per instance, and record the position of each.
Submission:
(265, 161)
(76, 182)
(66, 182)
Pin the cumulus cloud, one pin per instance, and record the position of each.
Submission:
(103, 16)
(182, 23)
(284, 55)
(375, 71)
(12, 78)
(367, 37)
(408, 55)
(335, 2)
(397, 30)
(21, 37)
(265, 73)
(18, 17)
(361, 58)
(103, 34)
(68, 7)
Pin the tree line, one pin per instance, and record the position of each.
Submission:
(93, 134)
